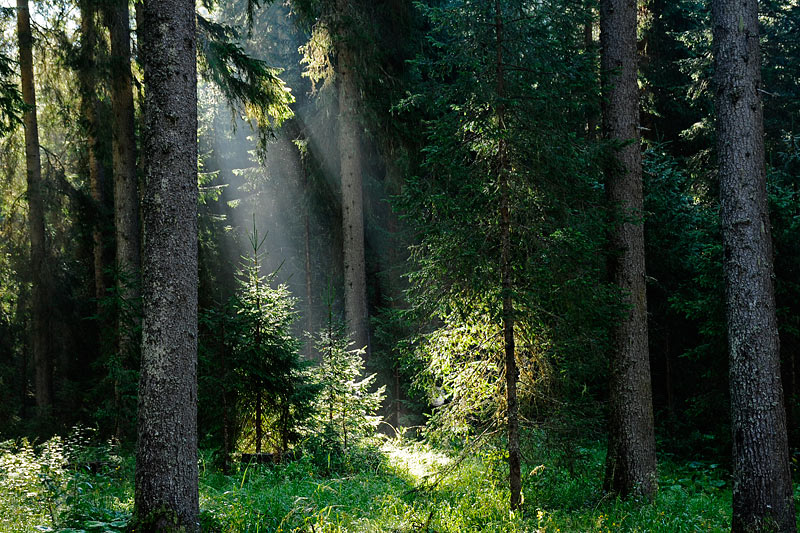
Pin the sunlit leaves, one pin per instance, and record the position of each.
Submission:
(249, 84)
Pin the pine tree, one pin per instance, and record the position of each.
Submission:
(126, 190)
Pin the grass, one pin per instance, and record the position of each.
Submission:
(67, 485)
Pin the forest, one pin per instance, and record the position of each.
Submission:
(402, 266)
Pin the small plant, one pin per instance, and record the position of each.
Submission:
(346, 407)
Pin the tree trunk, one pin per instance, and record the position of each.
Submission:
(589, 47)
(511, 370)
(42, 359)
(631, 459)
(355, 277)
(166, 455)
(126, 191)
(259, 416)
(309, 346)
(762, 483)
(97, 179)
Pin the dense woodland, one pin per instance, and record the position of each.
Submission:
(444, 265)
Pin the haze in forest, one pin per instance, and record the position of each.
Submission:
(447, 265)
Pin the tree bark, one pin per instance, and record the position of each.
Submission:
(309, 346)
(511, 370)
(631, 459)
(762, 483)
(42, 358)
(126, 190)
(166, 455)
(589, 47)
(97, 179)
(355, 277)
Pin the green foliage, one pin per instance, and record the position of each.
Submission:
(11, 104)
(115, 395)
(407, 487)
(250, 363)
(345, 411)
(247, 83)
(453, 204)
(67, 484)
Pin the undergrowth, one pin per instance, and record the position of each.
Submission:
(66, 484)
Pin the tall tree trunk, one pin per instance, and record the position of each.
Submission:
(762, 483)
(355, 277)
(631, 459)
(309, 347)
(259, 417)
(511, 370)
(166, 454)
(89, 103)
(589, 47)
(42, 358)
(126, 191)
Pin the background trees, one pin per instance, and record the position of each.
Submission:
(487, 221)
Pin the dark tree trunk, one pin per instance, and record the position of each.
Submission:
(166, 454)
(126, 191)
(511, 370)
(355, 277)
(259, 416)
(42, 358)
(762, 483)
(87, 81)
(227, 448)
(631, 459)
(589, 46)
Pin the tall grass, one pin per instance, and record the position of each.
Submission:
(394, 486)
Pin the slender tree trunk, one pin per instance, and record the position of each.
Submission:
(762, 483)
(589, 46)
(259, 416)
(355, 277)
(307, 243)
(166, 454)
(512, 373)
(42, 358)
(89, 103)
(668, 375)
(126, 191)
(631, 459)
(226, 419)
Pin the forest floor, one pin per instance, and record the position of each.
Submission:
(66, 485)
